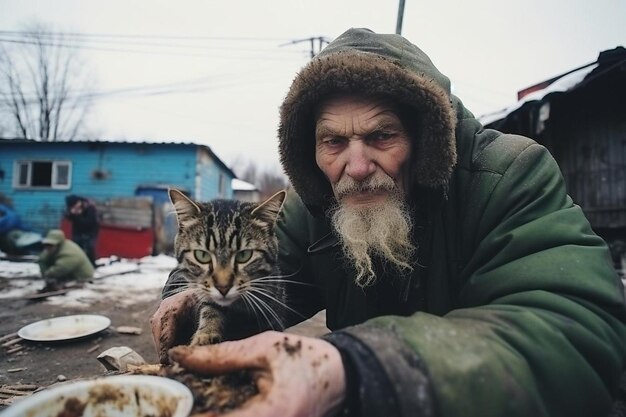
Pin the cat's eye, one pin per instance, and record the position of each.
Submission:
(202, 256)
(243, 256)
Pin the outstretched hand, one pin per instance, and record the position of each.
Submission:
(296, 376)
(173, 323)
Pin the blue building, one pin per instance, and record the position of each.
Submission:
(36, 176)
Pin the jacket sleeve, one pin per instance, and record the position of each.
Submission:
(540, 329)
(62, 267)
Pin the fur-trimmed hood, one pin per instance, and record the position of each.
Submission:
(363, 62)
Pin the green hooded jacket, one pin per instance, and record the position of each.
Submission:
(513, 309)
(67, 262)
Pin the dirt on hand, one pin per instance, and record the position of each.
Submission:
(211, 394)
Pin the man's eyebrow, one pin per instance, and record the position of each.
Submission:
(322, 130)
(385, 124)
(388, 123)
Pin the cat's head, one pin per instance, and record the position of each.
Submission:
(223, 245)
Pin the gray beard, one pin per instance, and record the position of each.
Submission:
(382, 230)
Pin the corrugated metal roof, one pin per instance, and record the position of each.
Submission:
(565, 83)
(127, 142)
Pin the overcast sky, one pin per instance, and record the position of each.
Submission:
(223, 67)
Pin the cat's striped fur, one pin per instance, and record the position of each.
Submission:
(226, 251)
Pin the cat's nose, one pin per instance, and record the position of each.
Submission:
(223, 289)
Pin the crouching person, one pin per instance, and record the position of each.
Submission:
(62, 261)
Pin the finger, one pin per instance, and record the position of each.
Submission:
(170, 323)
(219, 358)
(164, 334)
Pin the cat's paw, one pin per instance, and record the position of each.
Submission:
(201, 339)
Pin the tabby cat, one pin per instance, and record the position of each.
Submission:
(227, 250)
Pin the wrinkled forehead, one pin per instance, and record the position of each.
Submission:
(337, 101)
(339, 105)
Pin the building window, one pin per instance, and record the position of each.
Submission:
(56, 175)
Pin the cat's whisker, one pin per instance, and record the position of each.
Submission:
(265, 303)
(179, 287)
(280, 275)
(286, 275)
(250, 308)
(271, 311)
(257, 302)
(262, 291)
(273, 279)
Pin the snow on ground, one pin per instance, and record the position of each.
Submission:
(123, 280)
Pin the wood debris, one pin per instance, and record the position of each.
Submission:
(15, 349)
(10, 393)
(12, 342)
(93, 348)
(128, 330)
(8, 336)
(118, 358)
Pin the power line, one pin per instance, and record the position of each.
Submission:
(321, 40)
(130, 36)
(135, 51)
(187, 86)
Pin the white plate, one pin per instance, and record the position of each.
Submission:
(64, 328)
(113, 396)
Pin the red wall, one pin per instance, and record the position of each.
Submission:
(119, 241)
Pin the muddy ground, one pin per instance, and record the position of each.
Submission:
(43, 364)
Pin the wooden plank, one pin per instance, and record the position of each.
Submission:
(12, 392)
(12, 342)
(42, 295)
(22, 387)
(8, 336)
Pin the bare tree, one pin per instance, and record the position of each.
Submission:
(40, 79)
(270, 182)
(267, 181)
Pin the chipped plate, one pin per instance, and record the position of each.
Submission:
(64, 328)
(112, 396)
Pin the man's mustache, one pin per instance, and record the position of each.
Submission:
(380, 182)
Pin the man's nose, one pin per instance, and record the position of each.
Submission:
(359, 164)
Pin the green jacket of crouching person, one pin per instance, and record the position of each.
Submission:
(63, 261)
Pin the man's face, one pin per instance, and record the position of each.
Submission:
(363, 148)
(357, 139)
(77, 208)
(49, 248)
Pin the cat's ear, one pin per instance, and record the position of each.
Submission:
(185, 208)
(268, 210)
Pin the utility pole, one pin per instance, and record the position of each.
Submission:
(320, 44)
(400, 16)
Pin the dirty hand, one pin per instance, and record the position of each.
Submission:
(173, 323)
(296, 376)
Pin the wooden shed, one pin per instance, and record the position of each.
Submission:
(580, 116)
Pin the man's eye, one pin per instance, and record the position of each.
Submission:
(383, 135)
(332, 141)
(202, 256)
(243, 256)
